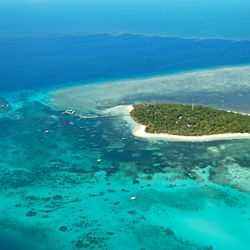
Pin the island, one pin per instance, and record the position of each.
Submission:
(188, 122)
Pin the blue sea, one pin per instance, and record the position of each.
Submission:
(32, 62)
(224, 19)
(67, 183)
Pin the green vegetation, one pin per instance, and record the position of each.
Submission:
(177, 119)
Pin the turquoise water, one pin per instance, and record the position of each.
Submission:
(188, 195)
(67, 183)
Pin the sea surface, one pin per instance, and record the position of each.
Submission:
(224, 19)
(67, 183)
(32, 62)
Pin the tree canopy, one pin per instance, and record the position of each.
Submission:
(187, 120)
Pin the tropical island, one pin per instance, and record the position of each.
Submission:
(188, 121)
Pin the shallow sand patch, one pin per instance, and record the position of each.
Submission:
(225, 88)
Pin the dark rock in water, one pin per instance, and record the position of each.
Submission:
(149, 177)
(63, 228)
(172, 185)
(79, 244)
(31, 197)
(48, 211)
(168, 231)
(4, 106)
(132, 212)
(116, 203)
(110, 233)
(31, 213)
(125, 190)
(57, 197)
(115, 164)
(111, 190)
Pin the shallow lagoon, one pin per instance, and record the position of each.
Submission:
(188, 195)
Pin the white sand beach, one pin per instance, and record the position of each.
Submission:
(139, 131)
(206, 87)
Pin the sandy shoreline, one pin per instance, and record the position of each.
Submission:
(139, 131)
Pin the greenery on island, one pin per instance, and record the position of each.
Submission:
(187, 120)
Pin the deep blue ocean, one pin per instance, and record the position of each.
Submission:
(68, 183)
(35, 62)
(44, 43)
